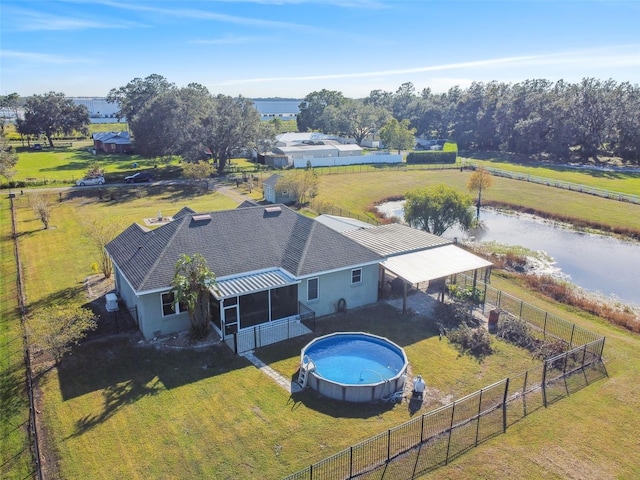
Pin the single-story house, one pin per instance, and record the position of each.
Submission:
(270, 263)
(112, 142)
(272, 194)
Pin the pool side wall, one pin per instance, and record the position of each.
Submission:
(358, 393)
(371, 392)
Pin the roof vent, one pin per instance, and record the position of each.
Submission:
(200, 218)
(273, 209)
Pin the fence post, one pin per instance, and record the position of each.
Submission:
(351, 461)
(572, 332)
(235, 342)
(524, 393)
(521, 306)
(478, 420)
(388, 444)
(544, 384)
(504, 406)
(544, 328)
(453, 409)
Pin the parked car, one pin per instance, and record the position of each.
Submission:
(139, 177)
(91, 181)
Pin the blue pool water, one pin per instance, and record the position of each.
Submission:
(355, 359)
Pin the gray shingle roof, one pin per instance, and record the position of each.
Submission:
(234, 242)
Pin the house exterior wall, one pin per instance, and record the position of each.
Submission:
(152, 322)
(150, 319)
(125, 292)
(337, 285)
(333, 287)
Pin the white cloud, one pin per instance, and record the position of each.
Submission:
(26, 20)
(627, 56)
(34, 57)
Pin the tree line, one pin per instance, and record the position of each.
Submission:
(537, 118)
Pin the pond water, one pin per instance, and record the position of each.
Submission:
(597, 263)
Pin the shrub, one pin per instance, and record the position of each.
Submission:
(517, 332)
(453, 315)
(475, 341)
(465, 294)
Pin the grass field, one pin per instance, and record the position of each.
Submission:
(116, 409)
(367, 189)
(15, 453)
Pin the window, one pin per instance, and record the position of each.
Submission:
(169, 307)
(312, 289)
(356, 276)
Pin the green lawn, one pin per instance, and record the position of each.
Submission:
(118, 409)
(623, 182)
(63, 166)
(359, 192)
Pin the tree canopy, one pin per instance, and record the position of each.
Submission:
(437, 208)
(52, 114)
(313, 106)
(354, 118)
(136, 95)
(55, 329)
(478, 181)
(397, 135)
(301, 184)
(166, 120)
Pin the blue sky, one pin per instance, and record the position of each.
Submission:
(289, 48)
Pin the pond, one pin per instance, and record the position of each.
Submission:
(597, 263)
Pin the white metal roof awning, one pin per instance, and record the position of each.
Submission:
(250, 283)
(433, 263)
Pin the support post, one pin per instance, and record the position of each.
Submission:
(504, 406)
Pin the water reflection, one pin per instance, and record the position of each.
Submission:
(594, 262)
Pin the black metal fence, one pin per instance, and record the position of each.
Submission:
(435, 438)
(546, 323)
(119, 321)
(273, 332)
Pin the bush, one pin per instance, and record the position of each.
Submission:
(475, 341)
(465, 294)
(517, 332)
(453, 315)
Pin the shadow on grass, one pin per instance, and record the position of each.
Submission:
(13, 396)
(108, 362)
(115, 397)
(70, 294)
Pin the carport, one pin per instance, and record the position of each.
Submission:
(416, 256)
(432, 264)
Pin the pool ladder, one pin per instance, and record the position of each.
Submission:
(306, 366)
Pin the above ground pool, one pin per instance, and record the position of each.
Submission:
(353, 366)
